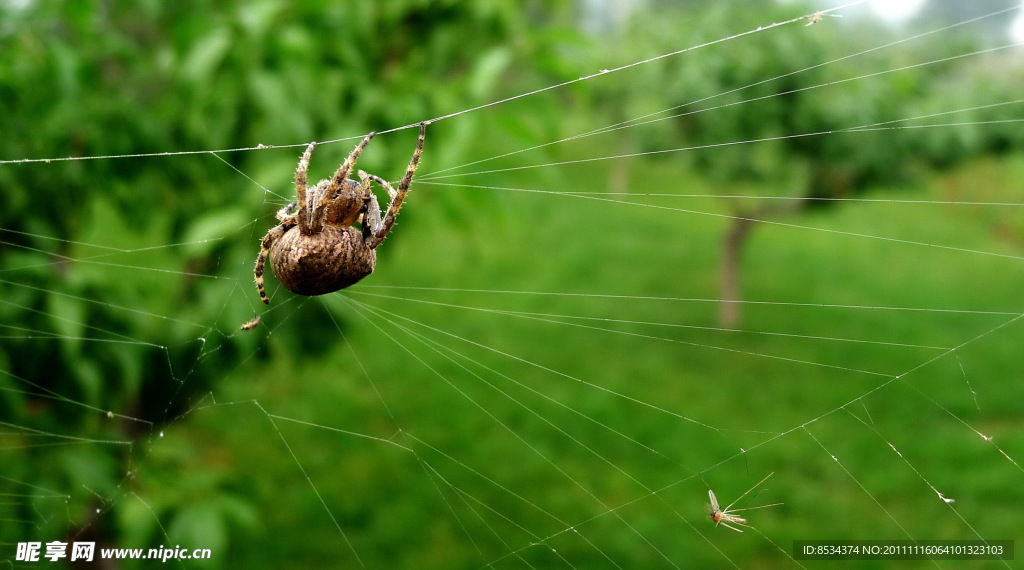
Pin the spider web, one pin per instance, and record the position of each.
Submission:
(572, 408)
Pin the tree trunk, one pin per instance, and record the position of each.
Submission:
(729, 285)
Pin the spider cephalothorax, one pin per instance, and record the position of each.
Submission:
(317, 250)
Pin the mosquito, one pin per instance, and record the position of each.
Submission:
(725, 516)
(248, 326)
(817, 16)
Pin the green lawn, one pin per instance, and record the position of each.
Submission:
(552, 362)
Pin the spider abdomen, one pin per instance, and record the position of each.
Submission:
(315, 249)
(321, 263)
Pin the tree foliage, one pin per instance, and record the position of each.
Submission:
(759, 115)
(100, 78)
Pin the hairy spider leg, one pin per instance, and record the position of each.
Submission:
(273, 235)
(371, 211)
(300, 189)
(284, 216)
(346, 167)
(397, 196)
(288, 221)
(336, 183)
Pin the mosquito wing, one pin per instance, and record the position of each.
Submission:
(714, 501)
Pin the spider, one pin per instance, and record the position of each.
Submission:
(316, 249)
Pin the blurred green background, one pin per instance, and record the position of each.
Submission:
(541, 372)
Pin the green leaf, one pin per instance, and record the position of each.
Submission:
(206, 55)
(207, 230)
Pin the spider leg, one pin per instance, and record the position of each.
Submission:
(317, 206)
(300, 190)
(272, 235)
(371, 213)
(397, 196)
(344, 171)
(379, 229)
(284, 214)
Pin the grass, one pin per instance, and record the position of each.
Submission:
(528, 414)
